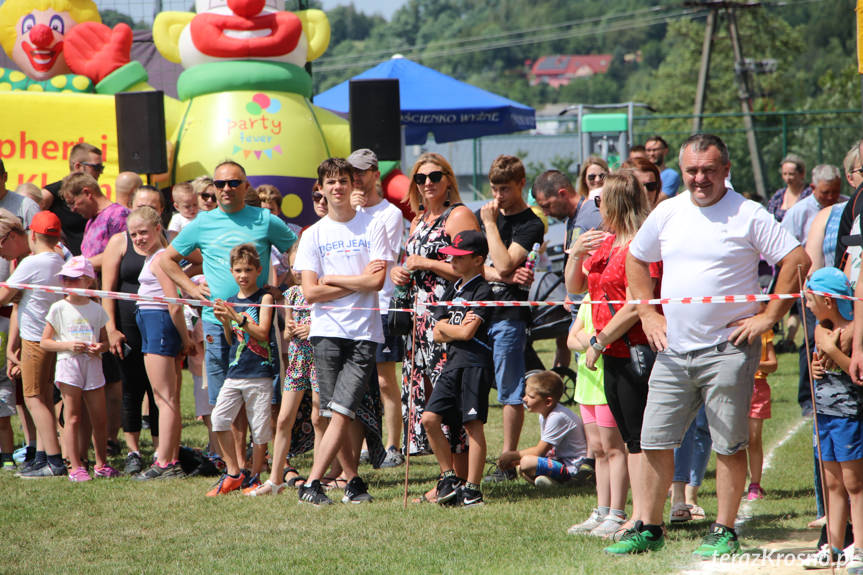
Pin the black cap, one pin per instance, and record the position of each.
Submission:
(466, 243)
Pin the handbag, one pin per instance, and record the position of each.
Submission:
(400, 323)
(641, 356)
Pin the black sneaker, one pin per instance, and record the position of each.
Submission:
(173, 471)
(447, 489)
(469, 497)
(40, 472)
(356, 491)
(155, 471)
(134, 463)
(28, 465)
(314, 494)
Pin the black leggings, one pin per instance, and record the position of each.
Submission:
(626, 394)
(135, 381)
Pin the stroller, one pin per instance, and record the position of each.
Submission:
(549, 323)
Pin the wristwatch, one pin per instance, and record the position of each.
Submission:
(595, 344)
(246, 318)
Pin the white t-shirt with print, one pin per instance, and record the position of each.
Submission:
(709, 251)
(38, 269)
(76, 323)
(564, 430)
(394, 225)
(344, 248)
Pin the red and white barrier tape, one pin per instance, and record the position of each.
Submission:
(201, 303)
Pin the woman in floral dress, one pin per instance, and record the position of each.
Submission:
(434, 196)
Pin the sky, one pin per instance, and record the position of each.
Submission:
(382, 7)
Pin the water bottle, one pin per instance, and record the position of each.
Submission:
(530, 263)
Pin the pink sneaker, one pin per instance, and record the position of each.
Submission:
(80, 474)
(755, 492)
(105, 471)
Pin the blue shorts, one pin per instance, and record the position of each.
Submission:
(552, 468)
(841, 438)
(393, 347)
(508, 339)
(159, 335)
(217, 351)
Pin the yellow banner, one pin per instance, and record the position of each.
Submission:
(39, 130)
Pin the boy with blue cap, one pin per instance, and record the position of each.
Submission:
(839, 412)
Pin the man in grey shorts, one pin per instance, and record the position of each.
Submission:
(709, 240)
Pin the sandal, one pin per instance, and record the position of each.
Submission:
(697, 512)
(427, 497)
(680, 513)
(333, 483)
(296, 481)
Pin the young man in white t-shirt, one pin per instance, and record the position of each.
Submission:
(343, 260)
(366, 198)
(709, 240)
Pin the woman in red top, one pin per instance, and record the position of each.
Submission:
(624, 207)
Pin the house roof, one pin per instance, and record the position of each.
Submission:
(571, 64)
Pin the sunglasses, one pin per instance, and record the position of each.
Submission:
(594, 177)
(317, 197)
(435, 177)
(96, 167)
(856, 170)
(651, 186)
(208, 197)
(597, 201)
(220, 184)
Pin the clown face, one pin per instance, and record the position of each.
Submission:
(38, 50)
(243, 29)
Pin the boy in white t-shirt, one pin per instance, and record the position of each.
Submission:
(342, 259)
(37, 364)
(186, 204)
(562, 446)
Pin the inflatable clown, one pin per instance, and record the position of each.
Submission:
(246, 95)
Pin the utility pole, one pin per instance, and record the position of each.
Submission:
(741, 75)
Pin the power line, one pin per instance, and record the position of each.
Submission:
(658, 19)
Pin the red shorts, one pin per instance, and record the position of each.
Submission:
(760, 406)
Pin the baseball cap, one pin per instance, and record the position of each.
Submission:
(76, 267)
(363, 159)
(46, 223)
(832, 280)
(465, 243)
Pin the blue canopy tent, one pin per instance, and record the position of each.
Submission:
(437, 103)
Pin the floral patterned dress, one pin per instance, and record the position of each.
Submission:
(300, 374)
(424, 359)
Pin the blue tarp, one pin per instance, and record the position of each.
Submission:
(437, 103)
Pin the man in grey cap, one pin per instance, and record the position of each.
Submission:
(367, 197)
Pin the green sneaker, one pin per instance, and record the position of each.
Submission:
(720, 541)
(636, 540)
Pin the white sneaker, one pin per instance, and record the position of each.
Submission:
(545, 482)
(609, 526)
(592, 523)
(855, 562)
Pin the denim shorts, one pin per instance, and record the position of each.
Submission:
(508, 339)
(841, 438)
(159, 335)
(719, 377)
(216, 356)
(344, 368)
(393, 347)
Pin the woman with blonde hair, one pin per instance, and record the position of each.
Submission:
(592, 175)
(433, 195)
(601, 270)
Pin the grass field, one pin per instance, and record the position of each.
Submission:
(118, 526)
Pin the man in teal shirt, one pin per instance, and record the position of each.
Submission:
(215, 233)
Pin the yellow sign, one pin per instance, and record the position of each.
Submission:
(39, 130)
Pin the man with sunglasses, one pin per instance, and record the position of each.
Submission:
(84, 158)
(511, 229)
(215, 233)
(656, 149)
(366, 198)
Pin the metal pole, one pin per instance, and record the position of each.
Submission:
(742, 76)
(704, 71)
(475, 165)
